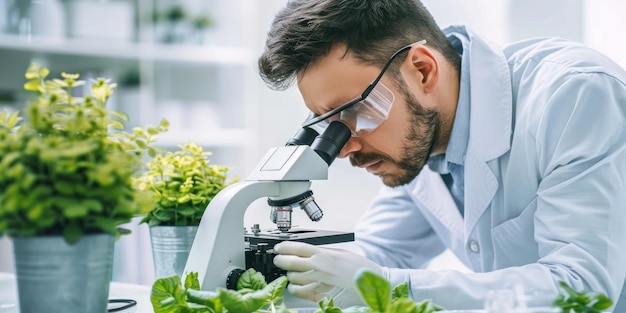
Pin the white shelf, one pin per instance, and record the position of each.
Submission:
(209, 137)
(206, 54)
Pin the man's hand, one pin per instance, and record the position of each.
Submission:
(316, 272)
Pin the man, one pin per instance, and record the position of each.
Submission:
(514, 158)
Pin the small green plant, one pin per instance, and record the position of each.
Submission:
(183, 183)
(581, 302)
(377, 293)
(255, 295)
(66, 168)
(176, 13)
(202, 22)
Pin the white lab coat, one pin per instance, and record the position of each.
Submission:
(545, 182)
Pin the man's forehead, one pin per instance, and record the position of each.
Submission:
(338, 55)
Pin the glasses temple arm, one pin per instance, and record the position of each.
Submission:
(393, 56)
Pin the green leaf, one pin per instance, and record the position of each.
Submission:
(117, 125)
(163, 215)
(28, 179)
(375, 290)
(327, 306)
(32, 71)
(424, 307)
(9, 159)
(233, 301)
(276, 288)
(106, 224)
(72, 232)
(191, 281)
(581, 301)
(14, 118)
(251, 279)
(406, 305)
(32, 85)
(64, 187)
(73, 209)
(43, 72)
(103, 174)
(152, 131)
(35, 212)
(602, 302)
(141, 143)
(187, 211)
(167, 296)
(571, 292)
(209, 299)
(400, 291)
(3, 225)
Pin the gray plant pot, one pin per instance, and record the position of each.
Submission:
(170, 248)
(54, 276)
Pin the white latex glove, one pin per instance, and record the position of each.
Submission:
(316, 272)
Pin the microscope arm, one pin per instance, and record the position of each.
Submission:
(219, 245)
(284, 173)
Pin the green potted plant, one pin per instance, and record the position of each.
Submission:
(201, 25)
(65, 188)
(182, 183)
(175, 17)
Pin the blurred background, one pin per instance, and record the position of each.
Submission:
(193, 63)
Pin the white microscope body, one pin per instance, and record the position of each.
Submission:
(285, 172)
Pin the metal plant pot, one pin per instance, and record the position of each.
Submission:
(170, 248)
(54, 276)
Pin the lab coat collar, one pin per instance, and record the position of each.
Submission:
(490, 126)
(490, 122)
(490, 97)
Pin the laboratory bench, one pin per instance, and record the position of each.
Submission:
(117, 290)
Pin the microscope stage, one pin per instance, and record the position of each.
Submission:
(314, 237)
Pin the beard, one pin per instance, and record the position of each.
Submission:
(417, 145)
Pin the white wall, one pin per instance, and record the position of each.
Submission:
(604, 26)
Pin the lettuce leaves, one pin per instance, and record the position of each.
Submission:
(253, 295)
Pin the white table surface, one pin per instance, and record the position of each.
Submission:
(117, 290)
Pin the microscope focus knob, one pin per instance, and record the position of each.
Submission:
(233, 277)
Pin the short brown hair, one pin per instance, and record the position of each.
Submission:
(372, 30)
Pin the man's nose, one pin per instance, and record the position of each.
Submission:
(351, 146)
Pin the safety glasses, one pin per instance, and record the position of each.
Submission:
(366, 112)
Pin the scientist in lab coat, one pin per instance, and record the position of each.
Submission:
(513, 158)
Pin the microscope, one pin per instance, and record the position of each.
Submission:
(222, 250)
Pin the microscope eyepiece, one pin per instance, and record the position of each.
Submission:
(303, 137)
(329, 143)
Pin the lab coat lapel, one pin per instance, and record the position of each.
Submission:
(490, 126)
(480, 188)
(433, 194)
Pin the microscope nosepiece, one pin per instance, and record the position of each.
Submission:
(281, 209)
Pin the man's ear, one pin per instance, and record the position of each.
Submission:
(424, 67)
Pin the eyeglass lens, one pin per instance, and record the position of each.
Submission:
(364, 116)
